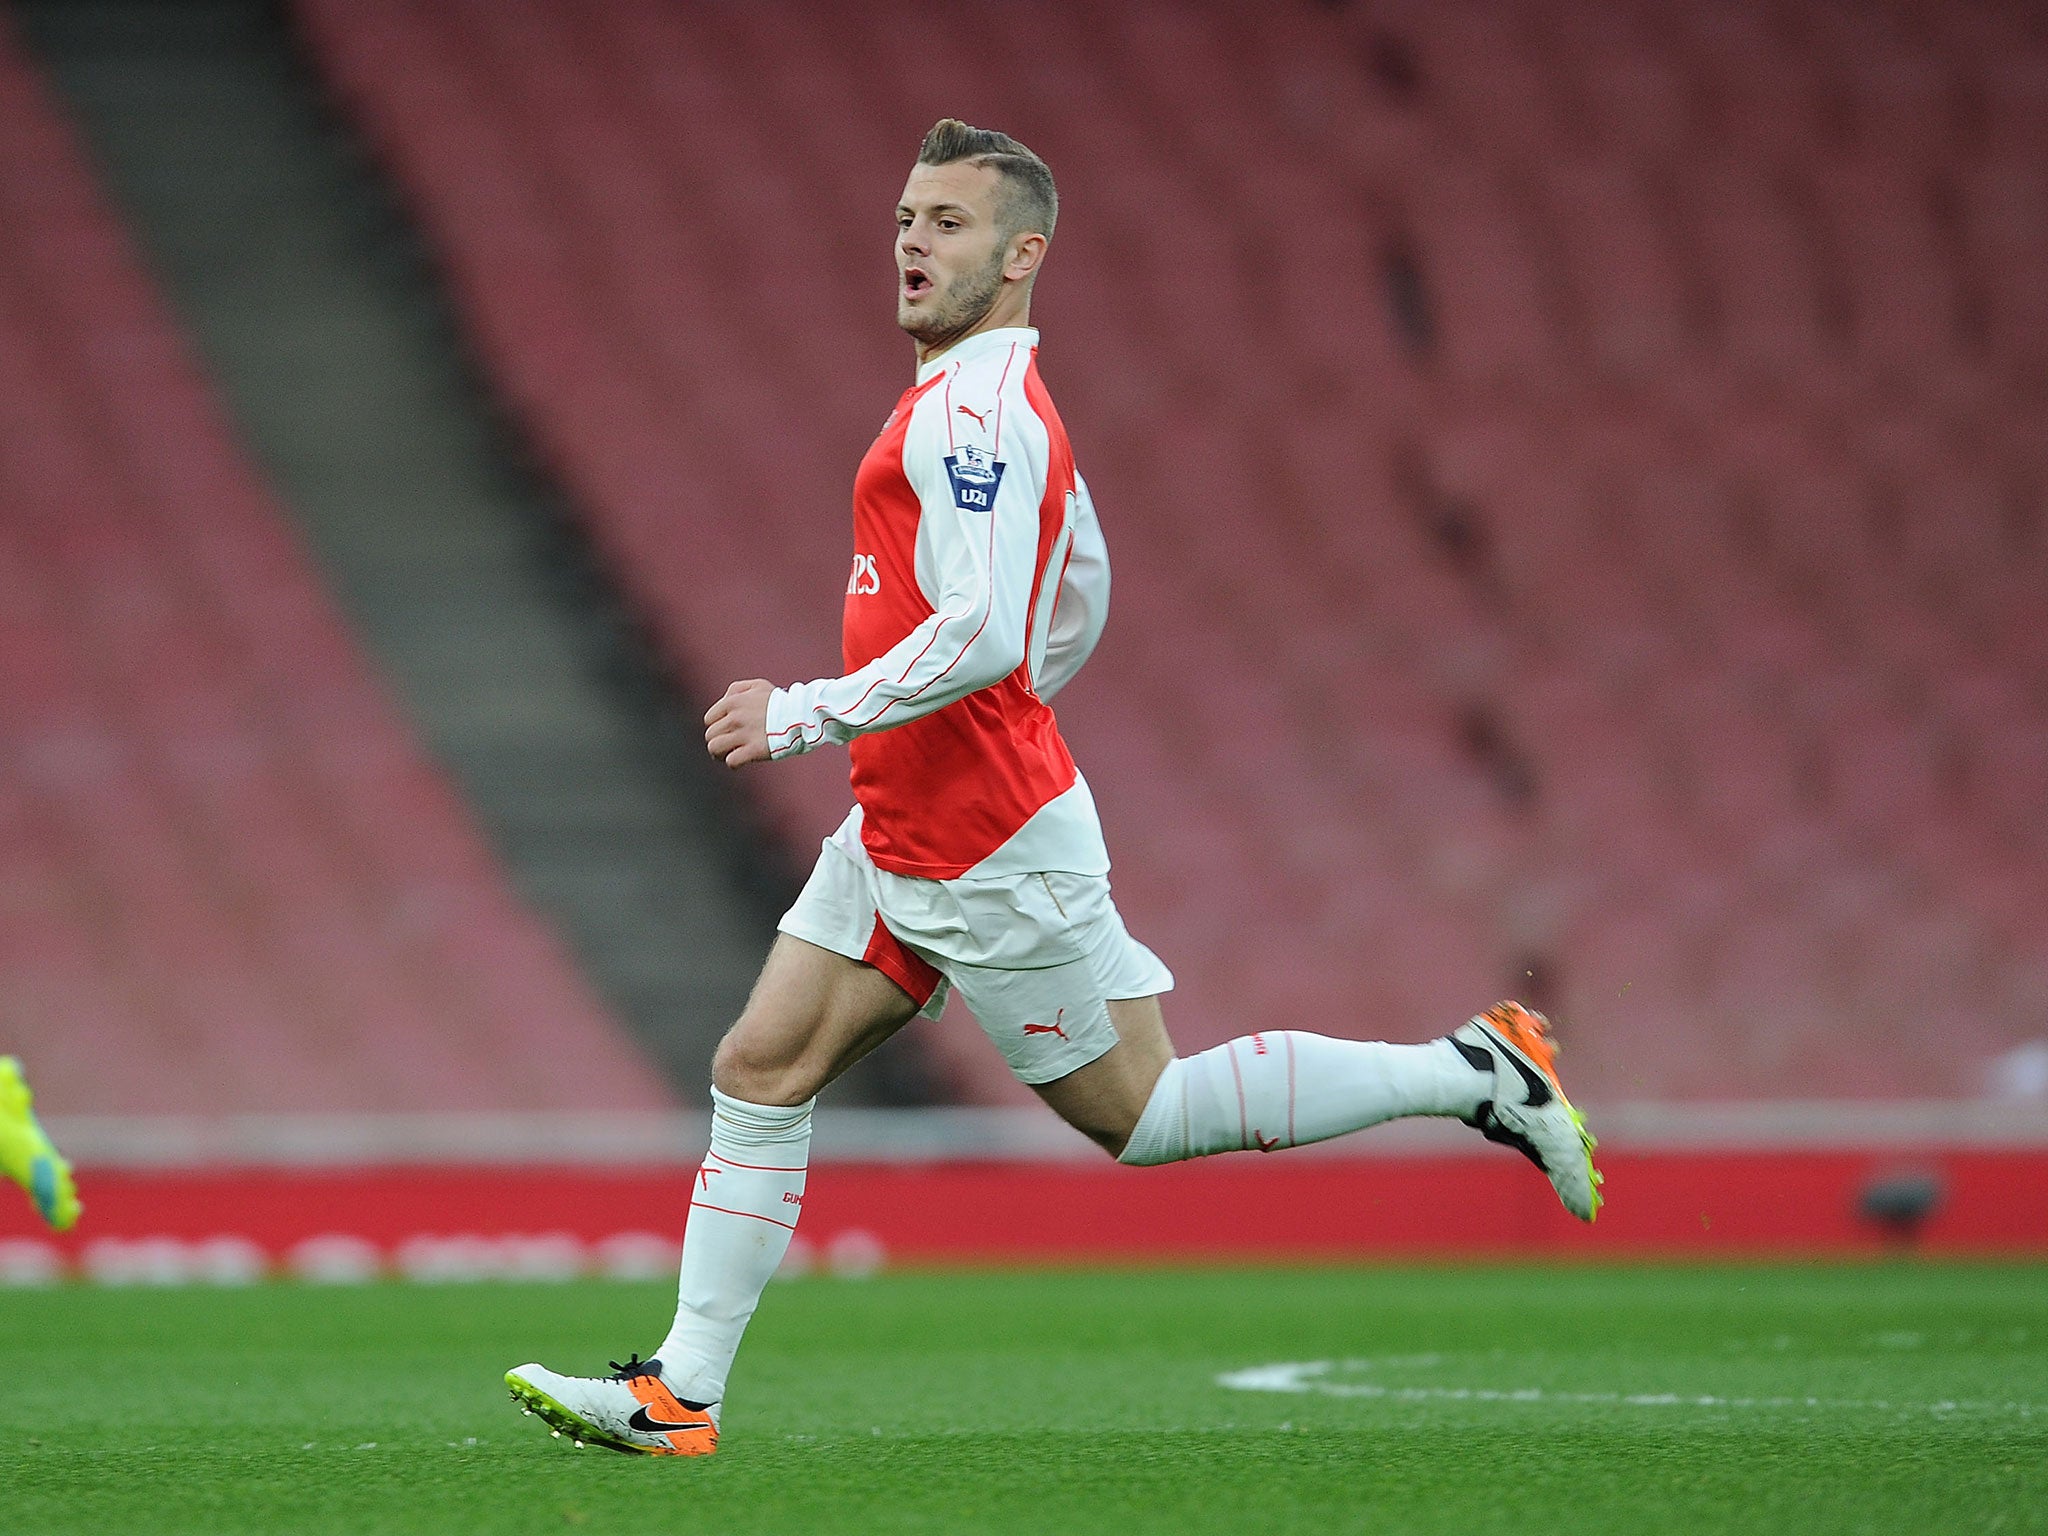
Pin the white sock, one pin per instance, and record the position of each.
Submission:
(743, 1212)
(1288, 1088)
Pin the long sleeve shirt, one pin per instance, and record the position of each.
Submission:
(979, 585)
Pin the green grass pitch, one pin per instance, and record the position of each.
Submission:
(1868, 1398)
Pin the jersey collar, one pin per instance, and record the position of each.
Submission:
(974, 346)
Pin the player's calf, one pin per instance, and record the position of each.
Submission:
(1265, 1092)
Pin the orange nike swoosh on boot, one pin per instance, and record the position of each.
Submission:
(1528, 1032)
(688, 1431)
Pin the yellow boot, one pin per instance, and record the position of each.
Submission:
(27, 1156)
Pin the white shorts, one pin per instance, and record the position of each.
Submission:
(1038, 958)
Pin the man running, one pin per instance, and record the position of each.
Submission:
(973, 857)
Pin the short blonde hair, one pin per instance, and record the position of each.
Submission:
(1029, 203)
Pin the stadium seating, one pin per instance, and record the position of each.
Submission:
(229, 880)
(1575, 469)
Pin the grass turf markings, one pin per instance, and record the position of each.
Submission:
(1329, 1378)
(1015, 1402)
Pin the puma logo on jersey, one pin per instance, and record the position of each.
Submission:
(980, 417)
(865, 577)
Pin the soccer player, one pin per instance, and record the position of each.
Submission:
(973, 857)
(27, 1155)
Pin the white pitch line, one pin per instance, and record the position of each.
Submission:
(1315, 1376)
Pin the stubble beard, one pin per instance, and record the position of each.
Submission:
(961, 311)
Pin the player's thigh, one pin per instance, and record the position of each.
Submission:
(812, 1015)
(1104, 1099)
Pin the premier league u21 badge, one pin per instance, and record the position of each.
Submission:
(975, 474)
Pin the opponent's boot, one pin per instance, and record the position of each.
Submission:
(27, 1155)
(1528, 1110)
(631, 1410)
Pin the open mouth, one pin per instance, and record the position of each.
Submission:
(915, 282)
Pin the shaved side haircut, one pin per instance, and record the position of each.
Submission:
(1030, 204)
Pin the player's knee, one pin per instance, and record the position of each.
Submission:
(1114, 1142)
(1108, 1126)
(1107, 1099)
(744, 1069)
(1110, 1140)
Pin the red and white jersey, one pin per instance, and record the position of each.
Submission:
(979, 585)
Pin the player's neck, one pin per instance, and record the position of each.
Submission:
(999, 318)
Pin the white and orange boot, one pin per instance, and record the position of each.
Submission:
(1528, 1110)
(631, 1411)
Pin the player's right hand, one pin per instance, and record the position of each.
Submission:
(736, 727)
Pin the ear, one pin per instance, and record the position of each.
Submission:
(1026, 252)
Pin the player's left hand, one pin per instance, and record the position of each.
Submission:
(736, 728)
